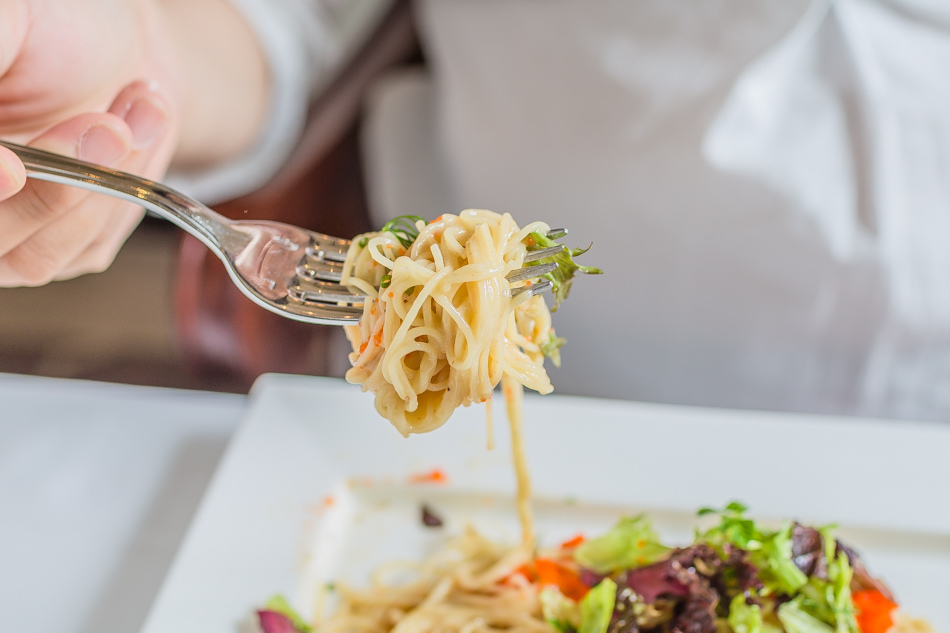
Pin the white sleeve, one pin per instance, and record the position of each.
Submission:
(305, 42)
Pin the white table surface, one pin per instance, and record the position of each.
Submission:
(98, 483)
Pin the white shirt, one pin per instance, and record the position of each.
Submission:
(766, 184)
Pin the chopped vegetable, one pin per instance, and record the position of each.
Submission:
(404, 228)
(597, 607)
(796, 620)
(744, 617)
(573, 542)
(434, 476)
(562, 276)
(278, 616)
(552, 348)
(874, 611)
(632, 542)
(555, 573)
(430, 518)
(558, 610)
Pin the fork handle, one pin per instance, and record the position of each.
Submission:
(211, 228)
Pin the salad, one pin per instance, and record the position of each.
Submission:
(737, 576)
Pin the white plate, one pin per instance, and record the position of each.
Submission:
(266, 525)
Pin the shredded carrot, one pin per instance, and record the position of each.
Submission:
(573, 542)
(378, 338)
(874, 611)
(390, 294)
(529, 241)
(519, 576)
(552, 572)
(434, 476)
(328, 501)
(363, 346)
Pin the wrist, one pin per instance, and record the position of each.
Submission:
(223, 81)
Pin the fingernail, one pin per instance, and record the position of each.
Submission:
(101, 144)
(148, 118)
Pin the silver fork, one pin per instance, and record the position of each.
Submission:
(285, 269)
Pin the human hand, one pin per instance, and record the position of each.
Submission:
(50, 231)
(81, 79)
(104, 81)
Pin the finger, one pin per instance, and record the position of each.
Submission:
(12, 174)
(101, 252)
(147, 112)
(42, 257)
(99, 138)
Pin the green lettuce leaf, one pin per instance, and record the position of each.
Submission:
(632, 542)
(597, 607)
(770, 551)
(839, 585)
(558, 610)
(775, 560)
(744, 617)
(795, 619)
(279, 604)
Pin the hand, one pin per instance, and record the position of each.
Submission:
(50, 231)
(104, 81)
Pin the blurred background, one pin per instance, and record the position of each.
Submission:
(117, 326)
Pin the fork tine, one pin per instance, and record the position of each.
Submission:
(321, 269)
(314, 291)
(541, 253)
(529, 271)
(326, 248)
(536, 288)
(556, 234)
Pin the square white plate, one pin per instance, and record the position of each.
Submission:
(315, 487)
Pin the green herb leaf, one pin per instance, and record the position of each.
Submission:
(597, 607)
(363, 242)
(562, 276)
(386, 280)
(632, 542)
(404, 228)
(552, 348)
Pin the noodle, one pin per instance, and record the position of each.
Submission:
(461, 589)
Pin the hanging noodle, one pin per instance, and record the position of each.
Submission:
(442, 332)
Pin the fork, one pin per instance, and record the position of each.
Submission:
(288, 270)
